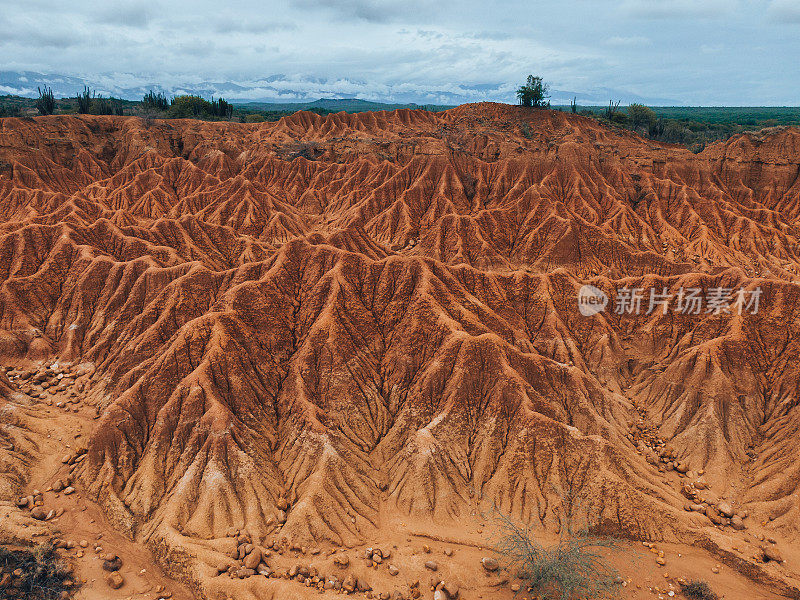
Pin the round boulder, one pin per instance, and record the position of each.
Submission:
(489, 564)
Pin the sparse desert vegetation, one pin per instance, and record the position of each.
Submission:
(693, 127)
(157, 105)
(45, 103)
(572, 568)
(36, 573)
(698, 590)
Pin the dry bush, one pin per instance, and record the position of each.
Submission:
(43, 574)
(570, 569)
(698, 590)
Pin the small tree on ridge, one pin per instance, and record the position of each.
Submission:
(641, 116)
(534, 93)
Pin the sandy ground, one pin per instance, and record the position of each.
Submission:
(457, 552)
(83, 523)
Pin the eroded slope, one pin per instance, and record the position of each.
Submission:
(379, 310)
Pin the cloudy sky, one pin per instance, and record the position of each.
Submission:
(707, 52)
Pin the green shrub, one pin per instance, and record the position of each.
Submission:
(221, 108)
(103, 106)
(641, 116)
(195, 107)
(186, 107)
(46, 103)
(656, 129)
(534, 93)
(619, 117)
(698, 590)
(155, 101)
(572, 568)
(9, 111)
(611, 110)
(91, 104)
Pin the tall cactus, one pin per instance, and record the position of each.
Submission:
(85, 101)
(46, 103)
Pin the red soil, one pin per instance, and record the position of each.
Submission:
(375, 317)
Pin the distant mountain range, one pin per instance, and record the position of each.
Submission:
(339, 104)
(286, 93)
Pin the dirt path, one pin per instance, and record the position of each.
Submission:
(65, 421)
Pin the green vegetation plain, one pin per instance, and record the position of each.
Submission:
(692, 126)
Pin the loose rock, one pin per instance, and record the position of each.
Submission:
(342, 560)
(349, 583)
(725, 508)
(38, 513)
(115, 580)
(490, 564)
(253, 559)
(771, 553)
(450, 588)
(112, 562)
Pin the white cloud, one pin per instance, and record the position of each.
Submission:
(784, 11)
(384, 49)
(711, 48)
(125, 14)
(634, 40)
(678, 9)
(5, 89)
(375, 11)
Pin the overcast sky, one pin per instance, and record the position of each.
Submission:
(708, 52)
